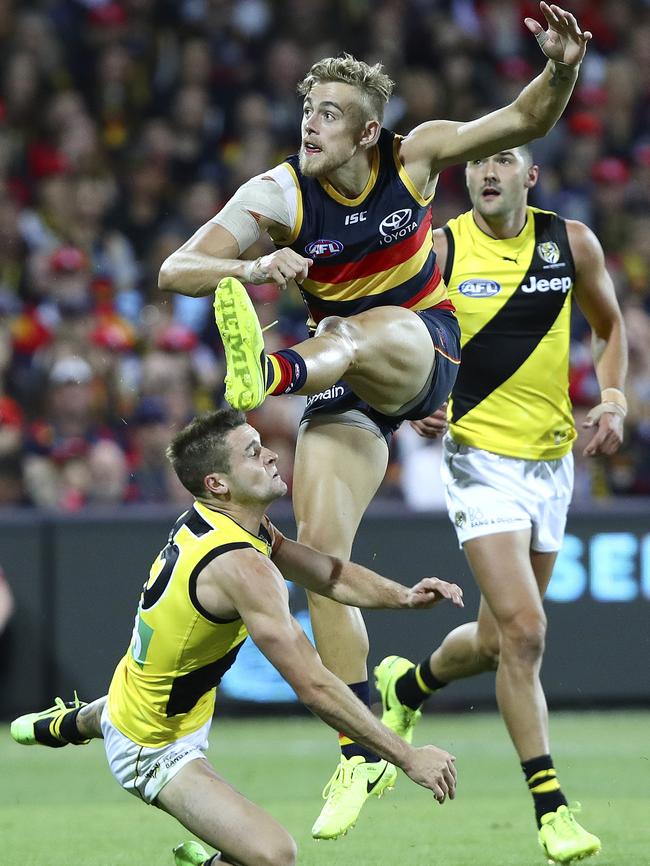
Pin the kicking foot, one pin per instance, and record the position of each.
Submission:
(243, 344)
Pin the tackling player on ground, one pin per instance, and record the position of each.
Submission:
(219, 579)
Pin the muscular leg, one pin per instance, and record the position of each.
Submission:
(474, 646)
(213, 810)
(503, 568)
(338, 469)
(385, 355)
(469, 649)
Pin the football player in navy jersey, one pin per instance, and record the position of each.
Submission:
(350, 215)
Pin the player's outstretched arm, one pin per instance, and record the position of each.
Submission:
(440, 143)
(349, 583)
(214, 250)
(594, 291)
(256, 590)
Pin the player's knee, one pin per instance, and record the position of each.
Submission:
(342, 330)
(523, 636)
(488, 648)
(283, 852)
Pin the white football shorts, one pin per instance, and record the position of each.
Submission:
(488, 493)
(144, 771)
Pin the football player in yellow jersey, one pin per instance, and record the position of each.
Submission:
(219, 579)
(386, 347)
(508, 468)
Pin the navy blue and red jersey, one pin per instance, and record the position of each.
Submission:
(375, 250)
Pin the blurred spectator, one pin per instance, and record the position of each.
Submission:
(125, 125)
(150, 435)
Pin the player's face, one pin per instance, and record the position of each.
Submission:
(332, 125)
(499, 184)
(253, 477)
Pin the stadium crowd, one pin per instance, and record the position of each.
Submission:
(124, 126)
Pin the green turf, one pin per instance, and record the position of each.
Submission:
(62, 808)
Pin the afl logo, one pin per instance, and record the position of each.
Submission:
(549, 252)
(479, 288)
(395, 221)
(322, 249)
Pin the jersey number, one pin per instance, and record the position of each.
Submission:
(152, 592)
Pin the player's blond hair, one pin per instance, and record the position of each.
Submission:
(374, 85)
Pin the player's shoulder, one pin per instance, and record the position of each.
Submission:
(585, 246)
(456, 228)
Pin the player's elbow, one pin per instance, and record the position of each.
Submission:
(310, 687)
(167, 275)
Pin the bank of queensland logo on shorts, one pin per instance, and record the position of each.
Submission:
(549, 252)
(476, 288)
(323, 249)
(397, 225)
(460, 519)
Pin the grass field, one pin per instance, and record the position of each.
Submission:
(63, 808)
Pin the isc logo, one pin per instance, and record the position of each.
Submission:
(322, 249)
(359, 217)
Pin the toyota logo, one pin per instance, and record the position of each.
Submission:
(395, 220)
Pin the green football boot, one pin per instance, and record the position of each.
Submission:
(396, 716)
(243, 345)
(43, 729)
(563, 840)
(190, 854)
(352, 783)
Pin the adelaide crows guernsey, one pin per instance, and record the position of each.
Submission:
(374, 250)
(164, 687)
(513, 301)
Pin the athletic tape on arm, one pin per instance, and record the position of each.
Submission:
(263, 195)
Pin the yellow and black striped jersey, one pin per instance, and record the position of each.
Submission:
(165, 685)
(513, 302)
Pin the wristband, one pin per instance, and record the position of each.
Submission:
(614, 395)
(249, 269)
(602, 409)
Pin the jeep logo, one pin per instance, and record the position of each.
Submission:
(557, 284)
(476, 288)
(322, 249)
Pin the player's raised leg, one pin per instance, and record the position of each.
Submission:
(329, 506)
(213, 810)
(386, 355)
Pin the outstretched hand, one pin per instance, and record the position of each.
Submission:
(434, 769)
(431, 591)
(563, 40)
(608, 435)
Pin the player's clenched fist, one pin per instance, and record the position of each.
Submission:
(279, 267)
(434, 769)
